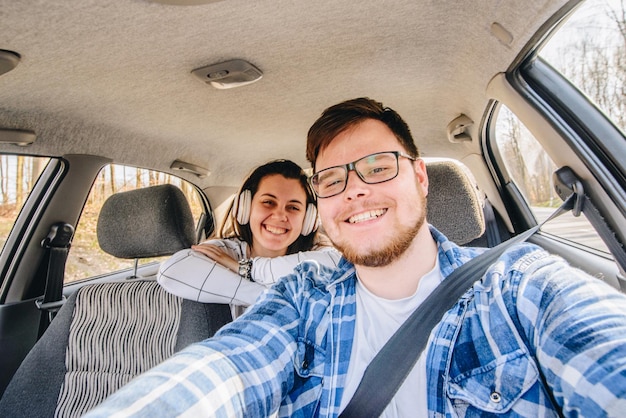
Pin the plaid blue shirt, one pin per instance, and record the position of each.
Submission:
(532, 337)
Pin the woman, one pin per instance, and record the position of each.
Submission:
(270, 227)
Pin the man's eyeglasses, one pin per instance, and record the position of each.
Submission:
(373, 168)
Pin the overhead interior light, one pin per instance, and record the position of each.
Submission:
(17, 137)
(229, 74)
(201, 172)
(8, 61)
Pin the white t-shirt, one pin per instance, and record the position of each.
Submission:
(377, 319)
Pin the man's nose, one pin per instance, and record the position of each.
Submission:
(355, 187)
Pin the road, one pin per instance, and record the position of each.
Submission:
(572, 228)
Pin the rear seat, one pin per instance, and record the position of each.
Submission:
(107, 333)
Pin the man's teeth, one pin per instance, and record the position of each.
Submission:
(275, 230)
(366, 216)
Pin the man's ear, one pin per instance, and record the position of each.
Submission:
(419, 166)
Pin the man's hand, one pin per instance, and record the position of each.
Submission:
(218, 255)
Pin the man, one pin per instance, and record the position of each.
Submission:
(532, 338)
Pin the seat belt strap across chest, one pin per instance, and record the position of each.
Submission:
(407, 343)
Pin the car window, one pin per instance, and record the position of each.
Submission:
(590, 51)
(18, 175)
(86, 259)
(531, 169)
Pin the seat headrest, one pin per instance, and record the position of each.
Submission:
(149, 222)
(453, 203)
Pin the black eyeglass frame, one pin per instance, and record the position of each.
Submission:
(352, 167)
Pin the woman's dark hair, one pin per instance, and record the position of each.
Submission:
(345, 115)
(286, 168)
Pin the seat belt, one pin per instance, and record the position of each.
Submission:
(566, 182)
(407, 343)
(491, 229)
(57, 243)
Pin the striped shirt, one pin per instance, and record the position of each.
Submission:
(533, 337)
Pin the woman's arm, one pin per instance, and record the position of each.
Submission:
(268, 271)
(191, 275)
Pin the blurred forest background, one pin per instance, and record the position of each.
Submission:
(86, 259)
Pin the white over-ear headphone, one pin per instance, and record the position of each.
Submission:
(244, 202)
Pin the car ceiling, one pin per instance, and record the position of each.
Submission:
(113, 78)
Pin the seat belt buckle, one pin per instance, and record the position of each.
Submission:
(51, 307)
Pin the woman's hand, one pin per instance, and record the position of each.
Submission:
(218, 255)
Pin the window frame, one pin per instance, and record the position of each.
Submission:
(27, 220)
(595, 141)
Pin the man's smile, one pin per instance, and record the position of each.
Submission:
(366, 216)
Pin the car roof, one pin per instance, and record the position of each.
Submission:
(115, 79)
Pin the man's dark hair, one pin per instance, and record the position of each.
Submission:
(340, 117)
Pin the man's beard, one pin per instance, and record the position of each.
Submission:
(385, 256)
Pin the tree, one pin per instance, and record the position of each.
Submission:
(4, 180)
(618, 16)
(112, 179)
(19, 182)
(592, 55)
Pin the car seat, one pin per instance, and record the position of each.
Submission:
(107, 333)
(456, 207)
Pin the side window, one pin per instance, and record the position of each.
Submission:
(18, 175)
(590, 51)
(86, 259)
(531, 168)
